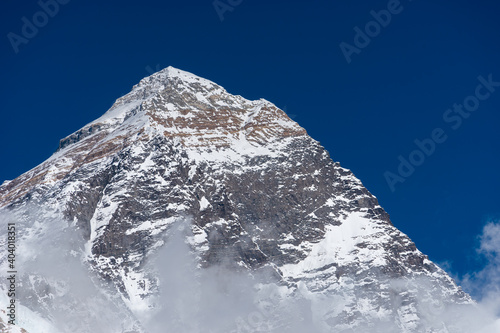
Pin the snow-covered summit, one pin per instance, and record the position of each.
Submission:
(172, 73)
(175, 103)
(151, 85)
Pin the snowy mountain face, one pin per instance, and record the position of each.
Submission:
(180, 171)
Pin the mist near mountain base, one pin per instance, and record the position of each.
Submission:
(54, 281)
(216, 299)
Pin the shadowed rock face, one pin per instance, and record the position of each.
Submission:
(259, 192)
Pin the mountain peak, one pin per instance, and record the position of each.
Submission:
(177, 106)
(261, 196)
(198, 112)
(170, 74)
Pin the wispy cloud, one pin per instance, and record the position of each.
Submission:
(485, 283)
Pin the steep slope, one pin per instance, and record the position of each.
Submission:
(257, 193)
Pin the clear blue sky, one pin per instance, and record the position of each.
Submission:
(396, 88)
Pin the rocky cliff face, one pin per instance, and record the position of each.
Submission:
(258, 193)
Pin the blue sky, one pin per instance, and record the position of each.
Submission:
(400, 77)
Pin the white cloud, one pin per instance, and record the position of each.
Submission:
(484, 284)
(486, 280)
(490, 241)
(221, 300)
